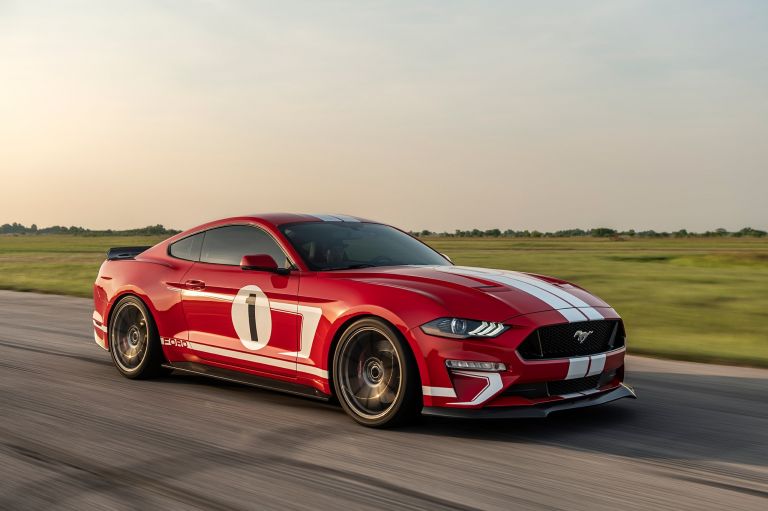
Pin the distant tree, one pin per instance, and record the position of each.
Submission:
(602, 232)
(750, 232)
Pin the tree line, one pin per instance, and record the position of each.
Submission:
(599, 232)
(150, 230)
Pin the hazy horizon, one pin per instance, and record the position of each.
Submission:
(430, 115)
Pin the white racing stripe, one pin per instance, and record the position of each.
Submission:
(223, 297)
(327, 218)
(574, 300)
(572, 315)
(438, 391)
(310, 318)
(335, 218)
(259, 359)
(577, 367)
(571, 307)
(596, 364)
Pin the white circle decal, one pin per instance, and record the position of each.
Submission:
(251, 317)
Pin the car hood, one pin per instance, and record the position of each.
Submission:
(488, 293)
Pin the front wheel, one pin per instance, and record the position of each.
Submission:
(374, 375)
(133, 340)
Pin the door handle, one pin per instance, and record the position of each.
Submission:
(194, 284)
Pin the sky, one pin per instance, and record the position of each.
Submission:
(439, 114)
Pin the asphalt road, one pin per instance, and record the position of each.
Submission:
(74, 434)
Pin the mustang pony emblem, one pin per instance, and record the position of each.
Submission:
(581, 335)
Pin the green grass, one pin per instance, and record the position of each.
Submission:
(59, 264)
(691, 299)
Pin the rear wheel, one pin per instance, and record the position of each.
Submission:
(133, 340)
(374, 375)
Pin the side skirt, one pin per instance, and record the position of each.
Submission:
(248, 379)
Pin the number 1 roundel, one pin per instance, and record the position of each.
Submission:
(251, 317)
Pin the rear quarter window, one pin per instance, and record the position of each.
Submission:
(188, 248)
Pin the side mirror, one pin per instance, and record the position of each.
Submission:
(446, 256)
(262, 262)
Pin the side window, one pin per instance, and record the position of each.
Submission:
(188, 248)
(228, 245)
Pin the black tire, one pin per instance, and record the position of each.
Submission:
(133, 340)
(375, 376)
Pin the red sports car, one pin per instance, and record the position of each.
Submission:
(333, 306)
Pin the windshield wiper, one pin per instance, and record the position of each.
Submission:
(351, 267)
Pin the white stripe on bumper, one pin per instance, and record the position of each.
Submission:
(596, 365)
(492, 386)
(438, 391)
(580, 367)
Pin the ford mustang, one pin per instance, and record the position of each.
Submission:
(340, 308)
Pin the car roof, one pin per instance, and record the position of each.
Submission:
(276, 219)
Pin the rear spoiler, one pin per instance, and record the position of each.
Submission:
(116, 253)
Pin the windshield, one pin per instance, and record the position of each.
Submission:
(346, 245)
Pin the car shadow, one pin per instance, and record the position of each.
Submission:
(678, 416)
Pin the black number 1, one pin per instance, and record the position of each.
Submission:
(251, 301)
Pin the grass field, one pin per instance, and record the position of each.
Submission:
(693, 299)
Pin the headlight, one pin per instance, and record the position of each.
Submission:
(458, 328)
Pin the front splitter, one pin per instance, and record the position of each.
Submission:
(533, 411)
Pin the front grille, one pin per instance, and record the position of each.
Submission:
(561, 341)
(559, 388)
(538, 390)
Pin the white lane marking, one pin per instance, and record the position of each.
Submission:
(100, 327)
(259, 359)
(438, 391)
(577, 367)
(597, 364)
(492, 386)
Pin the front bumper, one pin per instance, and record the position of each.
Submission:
(535, 411)
(576, 377)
